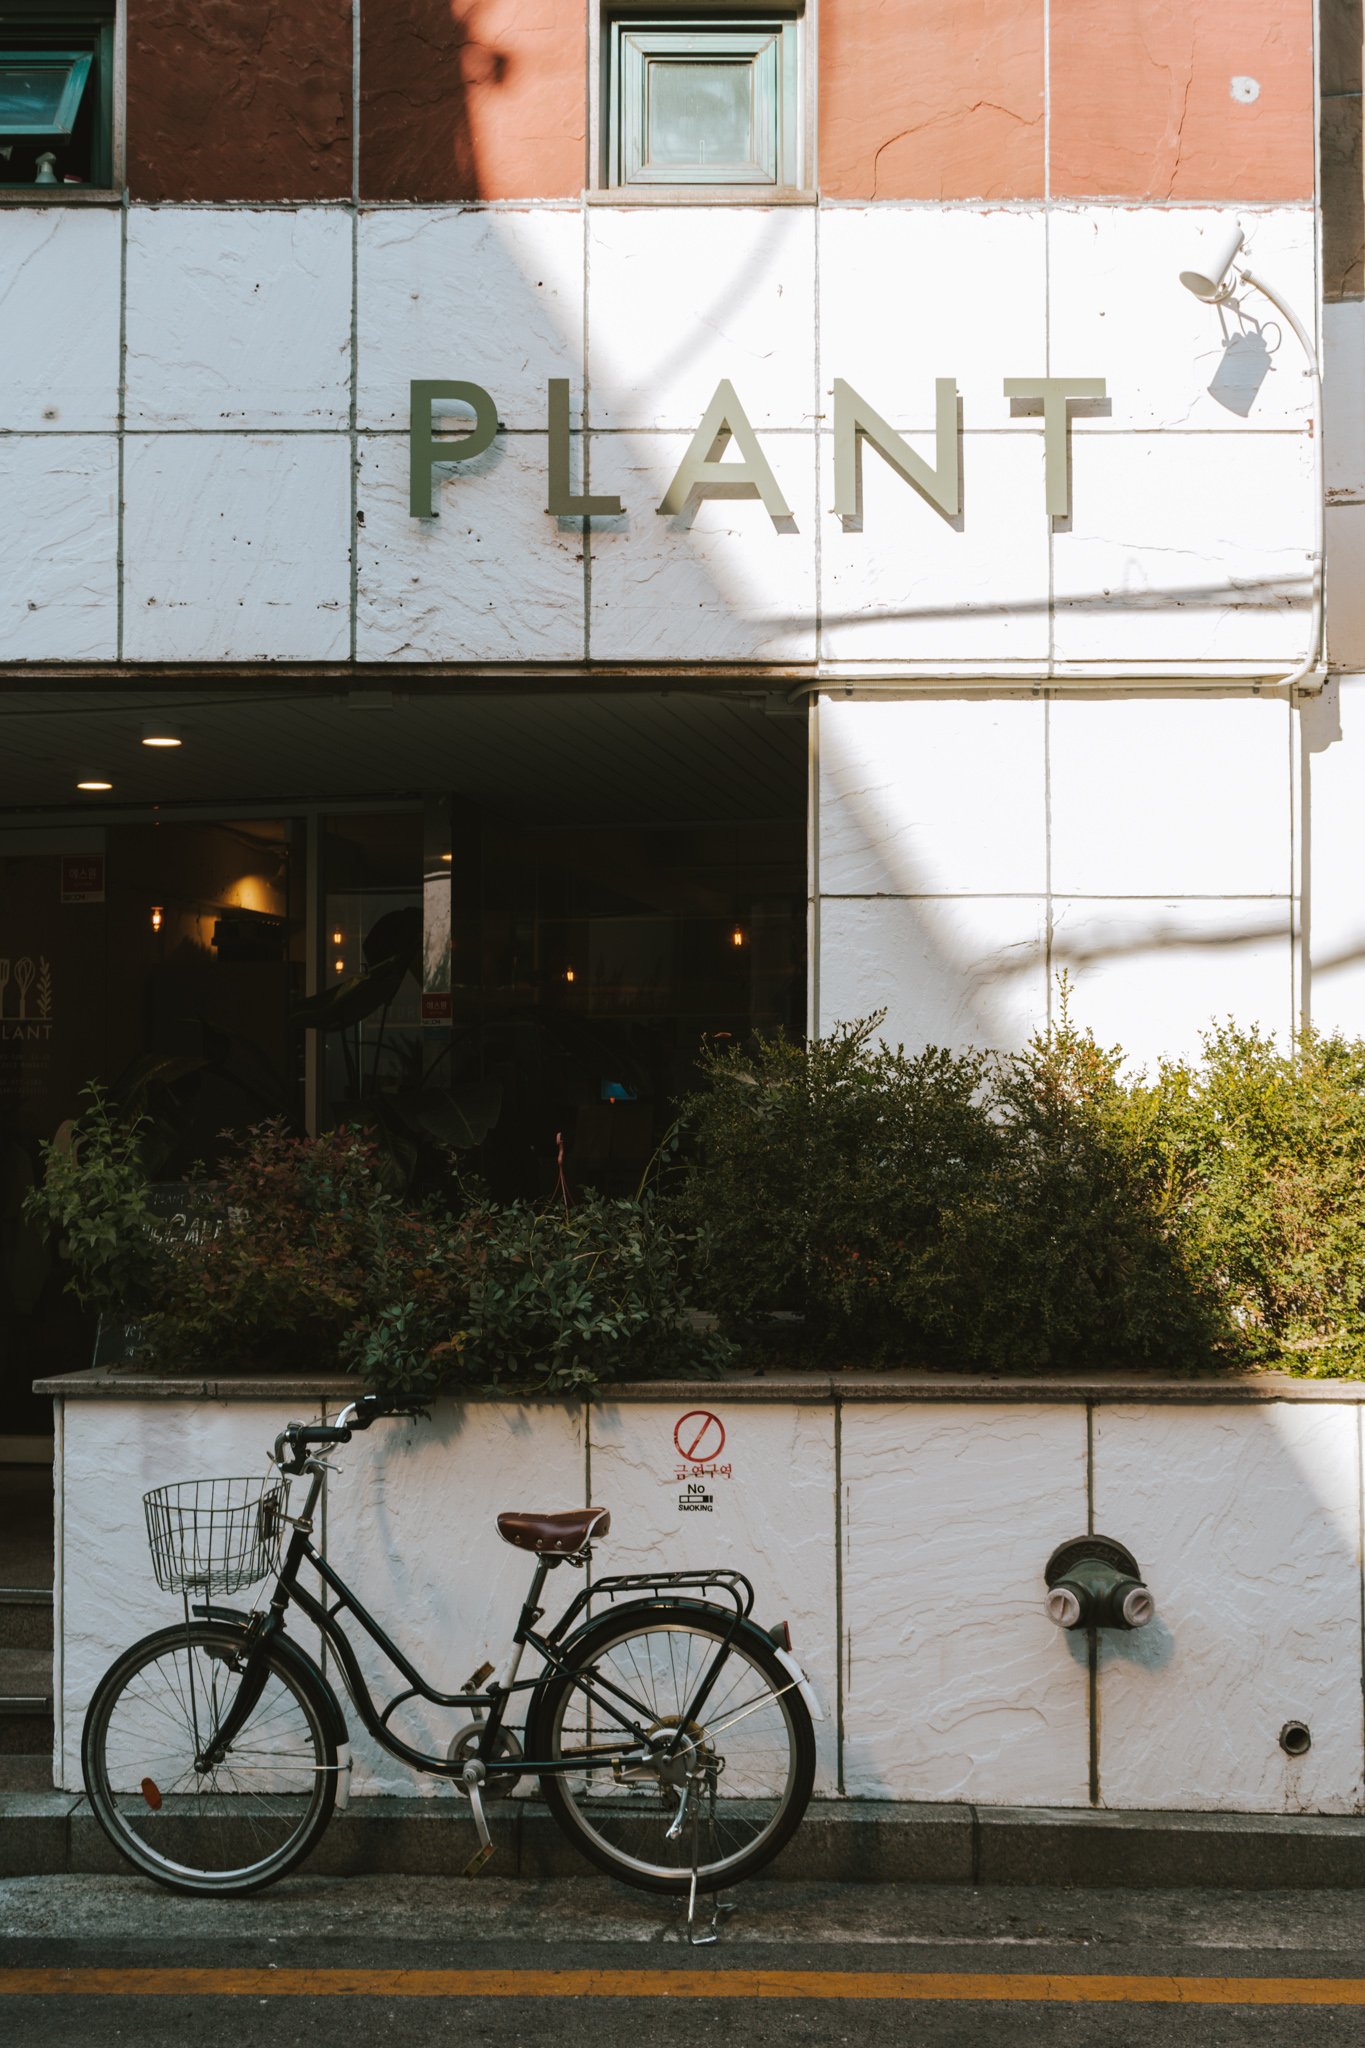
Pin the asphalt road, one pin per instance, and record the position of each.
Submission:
(586, 1964)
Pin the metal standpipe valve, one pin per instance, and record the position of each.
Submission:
(1094, 1582)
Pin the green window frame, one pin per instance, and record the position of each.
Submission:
(75, 38)
(746, 67)
(74, 65)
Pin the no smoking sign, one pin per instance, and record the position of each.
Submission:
(699, 1436)
(699, 1439)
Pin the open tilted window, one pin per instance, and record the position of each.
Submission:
(56, 81)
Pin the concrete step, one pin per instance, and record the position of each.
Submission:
(25, 1618)
(25, 1701)
(839, 1841)
(26, 1773)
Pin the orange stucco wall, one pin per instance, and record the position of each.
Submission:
(1142, 104)
(472, 99)
(931, 99)
(945, 99)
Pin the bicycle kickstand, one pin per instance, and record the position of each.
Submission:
(473, 1774)
(719, 1906)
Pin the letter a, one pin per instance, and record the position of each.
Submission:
(701, 469)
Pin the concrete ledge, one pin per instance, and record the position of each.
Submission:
(848, 1385)
(844, 1842)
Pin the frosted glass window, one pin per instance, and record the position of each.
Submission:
(703, 102)
(700, 114)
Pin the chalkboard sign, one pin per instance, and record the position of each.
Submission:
(186, 1215)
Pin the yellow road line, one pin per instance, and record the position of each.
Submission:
(930, 1986)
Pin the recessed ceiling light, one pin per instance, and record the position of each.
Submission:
(156, 733)
(94, 785)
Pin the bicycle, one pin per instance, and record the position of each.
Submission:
(671, 1734)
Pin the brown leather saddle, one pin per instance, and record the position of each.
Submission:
(557, 1535)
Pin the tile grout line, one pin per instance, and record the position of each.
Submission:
(587, 441)
(122, 422)
(1093, 1635)
(354, 404)
(1049, 914)
(839, 1595)
(817, 366)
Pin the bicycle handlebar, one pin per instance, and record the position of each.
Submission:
(293, 1444)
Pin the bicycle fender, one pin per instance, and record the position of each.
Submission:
(309, 1672)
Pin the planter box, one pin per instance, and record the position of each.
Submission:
(900, 1524)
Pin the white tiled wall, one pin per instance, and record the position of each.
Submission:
(904, 1542)
(970, 851)
(1191, 484)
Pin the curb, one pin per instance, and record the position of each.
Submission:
(839, 1842)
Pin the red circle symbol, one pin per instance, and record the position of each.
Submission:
(699, 1436)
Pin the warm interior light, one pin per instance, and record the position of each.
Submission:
(94, 785)
(337, 938)
(568, 974)
(445, 856)
(156, 733)
(156, 917)
(736, 937)
(340, 966)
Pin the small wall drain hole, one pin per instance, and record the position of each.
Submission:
(1295, 1738)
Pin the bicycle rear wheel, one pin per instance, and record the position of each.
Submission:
(754, 1749)
(237, 1826)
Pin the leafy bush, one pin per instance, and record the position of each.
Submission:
(1008, 1213)
(1075, 1238)
(323, 1266)
(552, 1302)
(821, 1179)
(1264, 1155)
(93, 1202)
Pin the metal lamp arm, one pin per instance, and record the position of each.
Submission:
(1313, 658)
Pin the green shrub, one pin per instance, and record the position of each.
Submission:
(1264, 1156)
(822, 1181)
(323, 1266)
(1076, 1241)
(93, 1204)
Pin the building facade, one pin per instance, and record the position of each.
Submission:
(724, 515)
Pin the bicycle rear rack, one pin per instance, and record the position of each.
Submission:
(732, 1583)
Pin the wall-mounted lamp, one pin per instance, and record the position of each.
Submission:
(737, 937)
(156, 733)
(157, 919)
(568, 974)
(338, 938)
(340, 966)
(1214, 279)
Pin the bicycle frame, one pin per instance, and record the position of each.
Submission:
(492, 1701)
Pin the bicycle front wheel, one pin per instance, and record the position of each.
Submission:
(751, 1753)
(242, 1823)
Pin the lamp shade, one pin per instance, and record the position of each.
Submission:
(1208, 278)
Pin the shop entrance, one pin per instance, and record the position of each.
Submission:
(497, 926)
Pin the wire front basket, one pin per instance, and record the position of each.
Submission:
(214, 1535)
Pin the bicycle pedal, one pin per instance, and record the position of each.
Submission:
(478, 1859)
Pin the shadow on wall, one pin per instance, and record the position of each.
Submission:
(421, 83)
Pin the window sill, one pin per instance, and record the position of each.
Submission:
(59, 195)
(703, 195)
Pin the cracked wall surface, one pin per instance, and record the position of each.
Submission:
(937, 100)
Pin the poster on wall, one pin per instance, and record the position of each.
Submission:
(82, 877)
